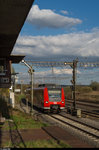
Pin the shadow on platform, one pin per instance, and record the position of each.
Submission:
(15, 136)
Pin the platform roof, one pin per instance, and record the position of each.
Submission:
(16, 58)
(13, 14)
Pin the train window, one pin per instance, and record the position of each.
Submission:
(2, 67)
(54, 95)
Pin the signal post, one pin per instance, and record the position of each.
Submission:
(31, 71)
(75, 111)
(74, 83)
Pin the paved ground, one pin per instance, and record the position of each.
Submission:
(44, 133)
(22, 136)
(61, 134)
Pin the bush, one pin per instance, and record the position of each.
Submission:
(95, 86)
(19, 97)
(84, 89)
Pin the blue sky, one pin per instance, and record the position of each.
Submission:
(66, 27)
(86, 10)
(61, 29)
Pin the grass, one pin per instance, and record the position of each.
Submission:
(18, 97)
(41, 144)
(24, 121)
(27, 123)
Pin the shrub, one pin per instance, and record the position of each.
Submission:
(84, 89)
(95, 86)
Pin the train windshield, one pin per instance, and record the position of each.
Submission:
(54, 95)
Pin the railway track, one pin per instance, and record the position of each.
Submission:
(91, 110)
(91, 114)
(85, 131)
(82, 130)
(85, 113)
(93, 105)
(81, 121)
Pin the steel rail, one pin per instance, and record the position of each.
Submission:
(92, 114)
(76, 127)
(84, 103)
(78, 121)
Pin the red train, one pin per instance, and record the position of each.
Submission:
(49, 99)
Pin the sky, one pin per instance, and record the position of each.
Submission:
(60, 30)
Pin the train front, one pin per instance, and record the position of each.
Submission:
(54, 99)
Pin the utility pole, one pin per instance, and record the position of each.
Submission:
(74, 83)
(31, 71)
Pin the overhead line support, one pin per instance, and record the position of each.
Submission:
(31, 71)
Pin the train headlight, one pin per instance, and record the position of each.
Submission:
(62, 102)
(46, 102)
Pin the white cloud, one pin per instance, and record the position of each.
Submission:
(48, 18)
(56, 71)
(77, 44)
(64, 12)
(64, 71)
